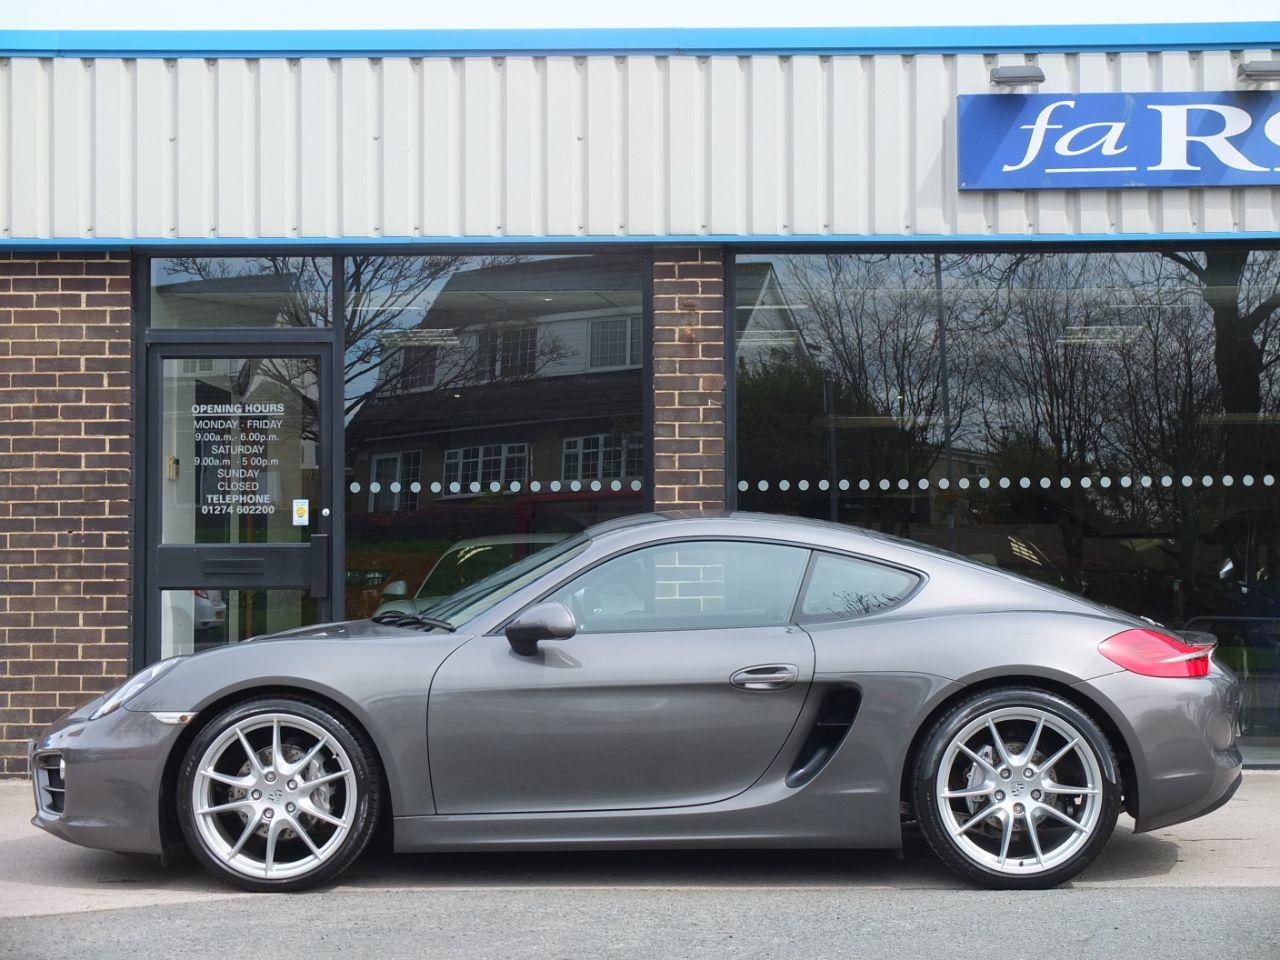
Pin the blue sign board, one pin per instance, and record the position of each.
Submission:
(1048, 141)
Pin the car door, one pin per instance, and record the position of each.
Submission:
(684, 679)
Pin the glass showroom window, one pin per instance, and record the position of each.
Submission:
(1104, 422)
(483, 366)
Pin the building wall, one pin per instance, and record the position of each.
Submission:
(65, 494)
(843, 145)
(689, 378)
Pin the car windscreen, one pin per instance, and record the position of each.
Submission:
(471, 601)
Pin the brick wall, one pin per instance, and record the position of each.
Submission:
(65, 427)
(688, 378)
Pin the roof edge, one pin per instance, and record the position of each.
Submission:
(1257, 34)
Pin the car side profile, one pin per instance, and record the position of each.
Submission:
(665, 681)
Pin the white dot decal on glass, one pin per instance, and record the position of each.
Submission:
(375, 487)
(355, 487)
(1024, 483)
(864, 484)
(1145, 481)
(903, 484)
(1207, 480)
(1268, 480)
(824, 484)
(395, 486)
(534, 486)
(944, 483)
(1187, 481)
(844, 484)
(555, 486)
(762, 486)
(1166, 481)
(1104, 482)
(515, 486)
(1126, 482)
(884, 484)
(1247, 479)
(743, 486)
(435, 486)
(1045, 483)
(595, 485)
(635, 485)
(985, 482)
(923, 483)
(415, 487)
(803, 485)
(1004, 483)
(1065, 483)
(1085, 483)
(784, 484)
(495, 486)
(455, 487)
(475, 486)
(615, 485)
(963, 483)
(575, 485)
(1228, 480)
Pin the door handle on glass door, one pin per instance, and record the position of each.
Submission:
(767, 676)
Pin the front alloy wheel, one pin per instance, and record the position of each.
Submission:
(278, 794)
(1017, 788)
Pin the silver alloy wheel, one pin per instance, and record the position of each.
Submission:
(1019, 790)
(274, 796)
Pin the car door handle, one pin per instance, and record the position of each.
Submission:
(767, 676)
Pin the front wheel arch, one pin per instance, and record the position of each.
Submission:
(1124, 755)
(171, 837)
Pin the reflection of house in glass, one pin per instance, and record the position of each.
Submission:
(766, 328)
(517, 373)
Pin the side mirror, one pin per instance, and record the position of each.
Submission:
(542, 621)
(396, 588)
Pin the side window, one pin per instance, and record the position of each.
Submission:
(842, 587)
(688, 585)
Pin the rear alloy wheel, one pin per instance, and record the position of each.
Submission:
(278, 794)
(1017, 788)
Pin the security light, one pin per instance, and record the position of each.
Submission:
(1259, 71)
(1017, 76)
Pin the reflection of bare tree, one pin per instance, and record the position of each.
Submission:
(1241, 287)
(1046, 395)
(873, 326)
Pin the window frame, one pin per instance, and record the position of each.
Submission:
(631, 362)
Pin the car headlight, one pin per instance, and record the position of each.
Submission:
(133, 686)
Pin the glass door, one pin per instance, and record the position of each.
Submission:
(240, 504)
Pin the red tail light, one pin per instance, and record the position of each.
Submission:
(1154, 654)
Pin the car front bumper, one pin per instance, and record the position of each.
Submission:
(1181, 735)
(113, 782)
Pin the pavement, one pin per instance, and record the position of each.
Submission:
(1208, 888)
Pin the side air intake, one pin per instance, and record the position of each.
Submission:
(835, 716)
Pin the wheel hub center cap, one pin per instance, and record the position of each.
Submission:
(275, 796)
(1018, 787)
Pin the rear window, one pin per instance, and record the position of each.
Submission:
(842, 587)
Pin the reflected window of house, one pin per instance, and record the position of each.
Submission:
(257, 292)
(469, 378)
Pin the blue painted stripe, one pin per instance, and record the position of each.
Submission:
(659, 40)
(1190, 240)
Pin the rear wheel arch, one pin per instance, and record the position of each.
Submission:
(171, 836)
(1072, 694)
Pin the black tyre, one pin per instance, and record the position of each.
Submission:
(1016, 788)
(279, 794)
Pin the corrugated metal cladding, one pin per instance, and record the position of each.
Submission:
(561, 146)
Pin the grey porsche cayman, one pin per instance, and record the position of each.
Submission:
(733, 681)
